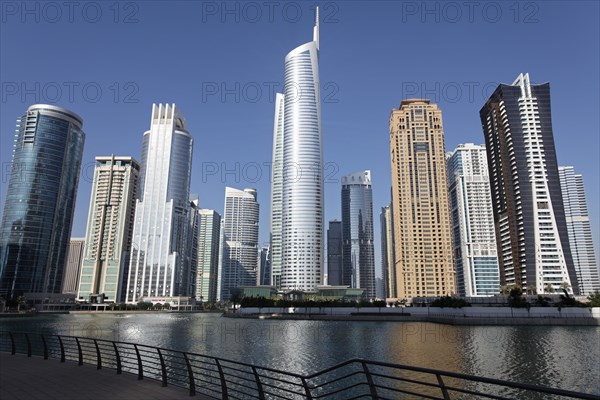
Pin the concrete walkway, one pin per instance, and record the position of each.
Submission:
(31, 378)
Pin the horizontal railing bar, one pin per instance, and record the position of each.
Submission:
(281, 380)
(430, 384)
(338, 379)
(467, 391)
(237, 369)
(341, 390)
(280, 388)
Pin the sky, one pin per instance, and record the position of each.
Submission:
(222, 62)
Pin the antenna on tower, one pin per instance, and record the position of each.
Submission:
(316, 28)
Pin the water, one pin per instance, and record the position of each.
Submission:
(565, 357)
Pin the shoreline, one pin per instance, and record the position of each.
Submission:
(446, 320)
(21, 315)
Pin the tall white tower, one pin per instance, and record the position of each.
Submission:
(302, 195)
(161, 252)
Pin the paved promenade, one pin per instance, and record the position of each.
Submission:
(31, 378)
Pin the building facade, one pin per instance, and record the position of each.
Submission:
(40, 200)
(422, 231)
(387, 252)
(580, 232)
(109, 228)
(161, 253)
(475, 253)
(264, 262)
(334, 253)
(358, 251)
(277, 193)
(238, 258)
(73, 266)
(529, 218)
(302, 195)
(208, 255)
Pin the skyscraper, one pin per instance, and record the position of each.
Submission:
(422, 230)
(529, 218)
(238, 259)
(73, 266)
(358, 252)
(277, 193)
(40, 200)
(161, 252)
(109, 229)
(302, 196)
(387, 252)
(580, 232)
(334, 253)
(264, 262)
(208, 255)
(475, 253)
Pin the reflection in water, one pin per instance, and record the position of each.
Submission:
(567, 357)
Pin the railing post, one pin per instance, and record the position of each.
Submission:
(28, 345)
(306, 389)
(80, 352)
(223, 382)
(118, 357)
(261, 393)
(370, 382)
(190, 375)
(443, 387)
(62, 349)
(163, 368)
(139, 359)
(13, 348)
(98, 356)
(45, 346)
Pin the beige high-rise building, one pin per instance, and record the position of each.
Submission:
(109, 229)
(422, 231)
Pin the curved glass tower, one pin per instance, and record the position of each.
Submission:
(40, 201)
(358, 252)
(161, 252)
(302, 199)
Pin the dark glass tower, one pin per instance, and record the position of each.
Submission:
(334, 253)
(40, 201)
(529, 216)
(358, 254)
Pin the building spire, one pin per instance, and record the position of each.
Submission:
(316, 28)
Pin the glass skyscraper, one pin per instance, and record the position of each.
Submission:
(580, 232)
(302, 196)
(475, 253)
(208, 255)
(358, 252)
(40, 200)
(161, 254)
(277, 193)
(387, 251)
(334, 253)
(529, 216)
(238, 259)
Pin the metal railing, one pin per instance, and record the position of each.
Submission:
(221, 378)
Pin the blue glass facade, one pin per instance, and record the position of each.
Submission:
(36, 224)
(358, 252)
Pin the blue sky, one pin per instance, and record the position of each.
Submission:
(220, 62)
